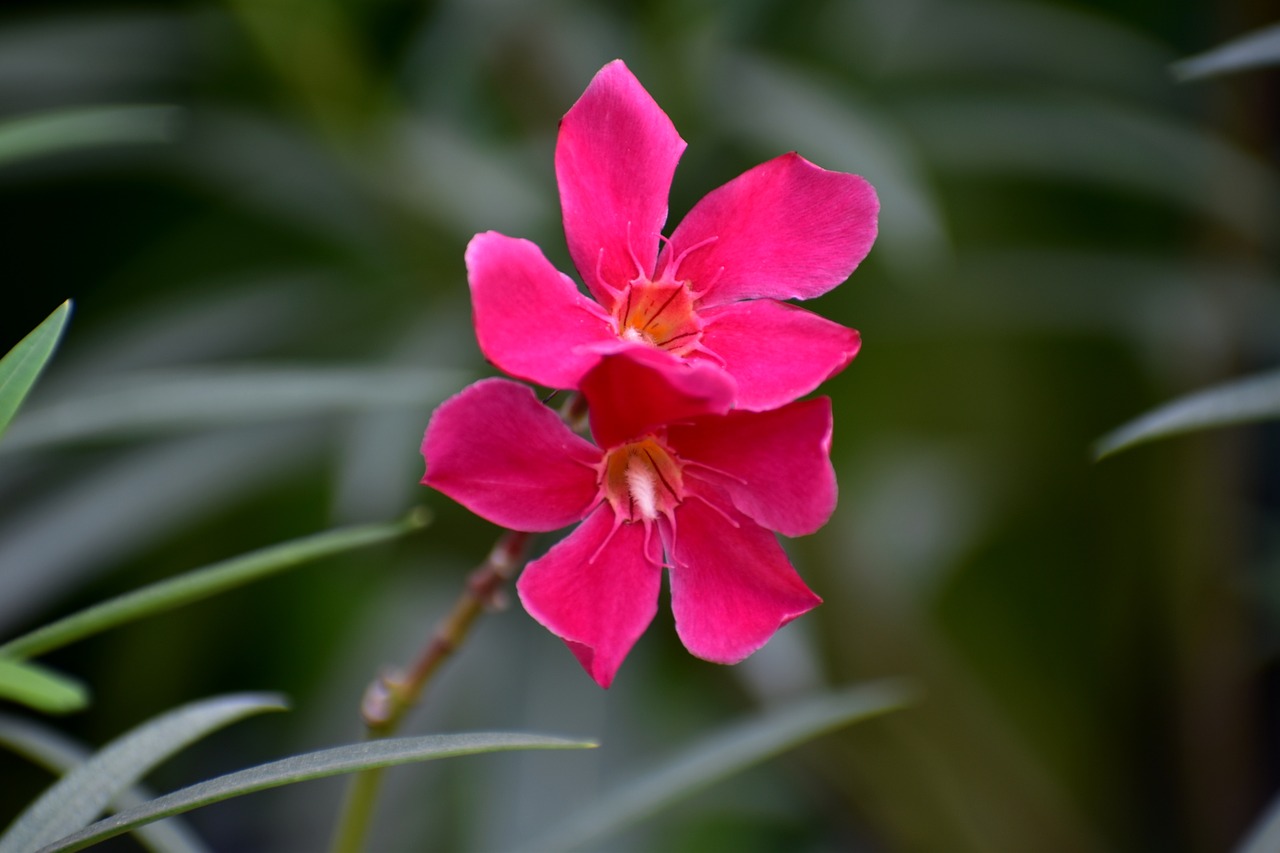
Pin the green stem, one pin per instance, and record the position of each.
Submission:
(357, 812)
(392, 694)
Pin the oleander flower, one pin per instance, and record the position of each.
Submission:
(785, 229)
(675, 479)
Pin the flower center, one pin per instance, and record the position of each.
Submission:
(642, 480)
(659, 314)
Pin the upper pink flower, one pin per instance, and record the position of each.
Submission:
(680, 475)
(783, 230)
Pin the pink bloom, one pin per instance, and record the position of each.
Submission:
(783, 230)
(680, 475)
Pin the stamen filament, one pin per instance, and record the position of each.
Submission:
(718, 510)
(673, 267)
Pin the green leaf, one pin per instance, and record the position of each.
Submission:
(199, 397)
(1243, 401)
(77, 798)
(1264, 835)
(40, 688)
(132, 500)
(774, 106)
(719, 756)
(203, 583)
(302, 768)
(57, 753)
(22, 365)
(1251, 50)
(81, 127)
(1087, 141)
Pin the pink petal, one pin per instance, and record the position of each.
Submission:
(638, 389)
(615, 157)
(732, 587)
(598, 600)
(775, 351)
(775, 466)
(506, 457)
(530, 319)
(785, 229)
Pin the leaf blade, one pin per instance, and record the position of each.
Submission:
(205, 582)
(1254, 49)
(721, 755)
(59, 754)
(40, 688)
(351, 758)
(22, 365)
(166, 400)
(29, 136)
(1264, 834)
(1253, 398)
(77, 798)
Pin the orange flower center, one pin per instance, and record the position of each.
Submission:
(659, 314)
(642, 480)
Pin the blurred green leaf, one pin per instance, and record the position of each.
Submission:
(40, 688)
(1252, 50)
(1243, 401)
(784, 108)
(77, 798)
(22, 365)
(99, 55)
(201, 397)
(1264, 835)
(1080, 139)
(83, 127)
(205, 582)
(989, 41)
(112, 511)
(56, 752)
(719, 756)
(302, 768)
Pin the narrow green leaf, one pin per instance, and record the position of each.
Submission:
(775, 105)
(149, 401)
(203, 583)
(1264, 835)
(302, 768)
(81, 127)
(719, 756)
(1087, 141)
(40, 688)
(1253, 398)
(59, 754)
(1251, 50)
(22, 365)
(80, 796)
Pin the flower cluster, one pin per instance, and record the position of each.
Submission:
(691, 367)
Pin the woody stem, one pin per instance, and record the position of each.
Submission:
(393, 693)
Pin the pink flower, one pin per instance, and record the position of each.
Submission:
(680, 475)
(783, 230)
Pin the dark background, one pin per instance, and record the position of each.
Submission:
(1069, 237)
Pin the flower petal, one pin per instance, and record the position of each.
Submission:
(530, 319)
(775, 351)
(634, 391)
(615, 157)
(599, 600)
(785, 229)
(495, 449)
(775, 466)
(732, 586)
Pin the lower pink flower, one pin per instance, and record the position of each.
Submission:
(675, 480)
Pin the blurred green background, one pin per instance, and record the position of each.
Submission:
(262, 224)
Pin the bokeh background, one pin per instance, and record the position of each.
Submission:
(263, 232)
